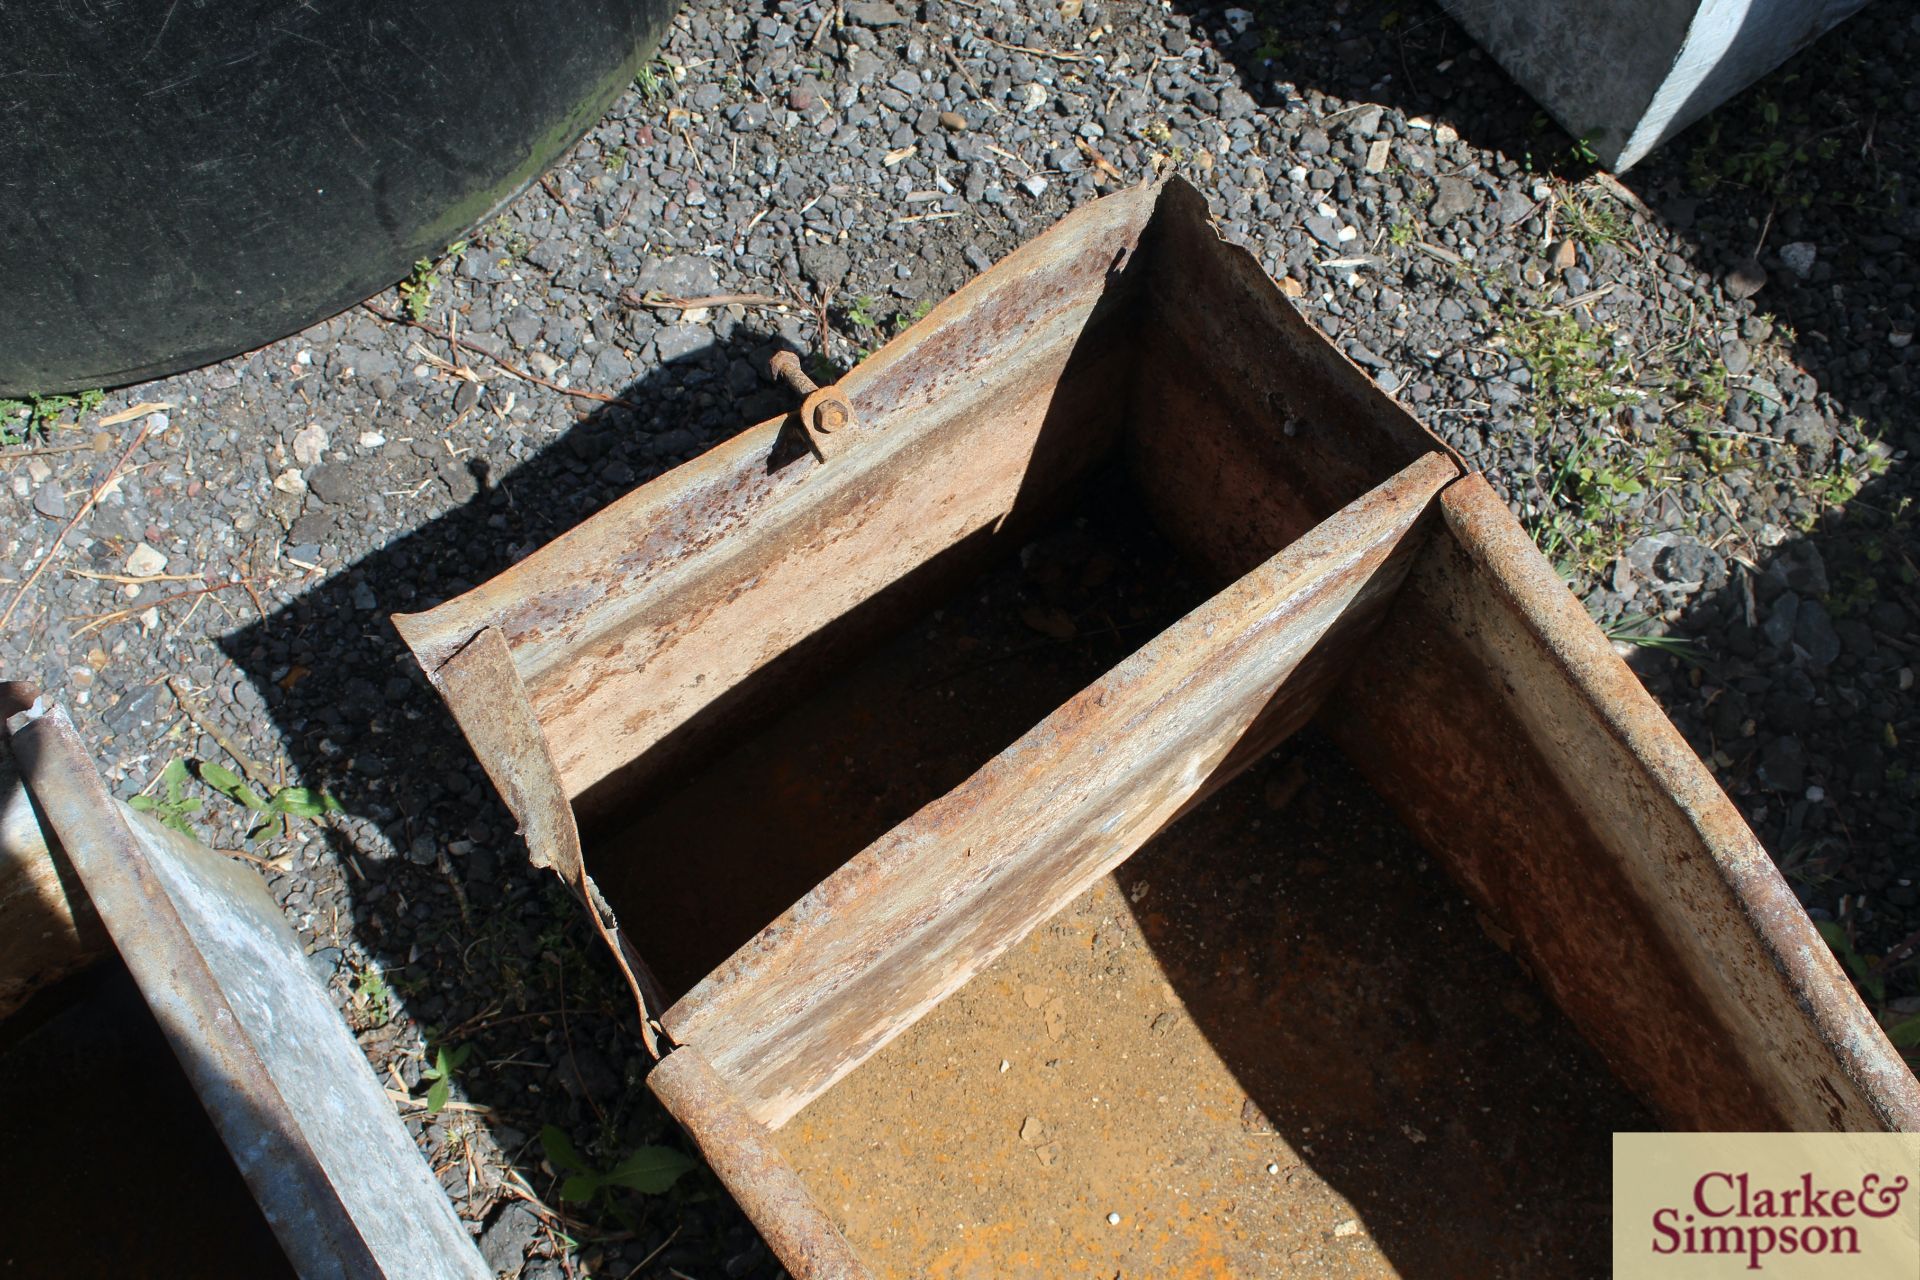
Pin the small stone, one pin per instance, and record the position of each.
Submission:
(1032, 97)
(868, 13)
(682, 342)
(505, 1242)
(1113, 1219)
(290, 481)
(333, 484)
(1292, 288)
(824, 264)
(1034, 185)
(309, 445)
(1798, 257)
(1454, 197)
(1350, 1226)
(1813, 631)
(50, 502)
(1737, 357)
(523, 327)
(143, 562)
(1783, 764)
(1746, 279)
(1032, 1131)
(1807, 429)
(465, 396)
(371, 440)
(1325, 230)
(1377, 153)
(1055, 1017)
(1164, 1022)
(1445, 134)
(1566, 255)
(954, 121)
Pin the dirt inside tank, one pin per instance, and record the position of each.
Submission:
(1276, 1042)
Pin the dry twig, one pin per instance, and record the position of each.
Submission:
(502, 361)
(113, 474)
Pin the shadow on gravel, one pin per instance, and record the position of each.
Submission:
(1802, 613)
(1794, 581)
(486, 950)
(1410, 57)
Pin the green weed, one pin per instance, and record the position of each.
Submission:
(1574, 370)
(440, 1075)
(648, 1170)
(284, 804)
(1594, 218)
(173, 807)
(36, 417)
(1637, 630)
(416, 291)
(372, 998)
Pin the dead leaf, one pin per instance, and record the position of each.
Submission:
(1098, 161)
(140, 410)
(1052, 621)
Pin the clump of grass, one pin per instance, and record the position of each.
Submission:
(1593, 217)
(416, 291)
(1574, 369)
(36, 417)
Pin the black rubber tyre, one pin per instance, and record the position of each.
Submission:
(181, 180)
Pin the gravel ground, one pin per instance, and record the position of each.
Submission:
(1697, 386)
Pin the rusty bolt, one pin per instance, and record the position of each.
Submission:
(823, 410)
(786, 367)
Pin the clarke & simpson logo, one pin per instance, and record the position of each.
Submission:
(1728, 1214)
(1785, 1206)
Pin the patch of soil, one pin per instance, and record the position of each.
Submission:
(1276, 1042)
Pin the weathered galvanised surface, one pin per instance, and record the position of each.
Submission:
(308, 1125)
(1367, 585)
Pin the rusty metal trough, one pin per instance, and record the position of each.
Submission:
(1364, 584)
